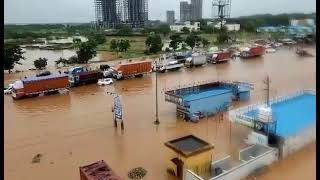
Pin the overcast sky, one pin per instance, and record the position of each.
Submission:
(60, 11)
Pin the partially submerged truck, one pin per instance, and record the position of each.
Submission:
(195, 60)
(168, 63)
(35, 85)
(219, 56)
(132, 69)
(253, 51)
(80, 76)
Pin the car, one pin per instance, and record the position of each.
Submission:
(8, 89)
(106, 81)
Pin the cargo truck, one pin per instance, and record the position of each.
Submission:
(132, 69)
(195, 60)
(35, 85)
(168, 63)
(252, 52)
(219, 56)
(80, 75)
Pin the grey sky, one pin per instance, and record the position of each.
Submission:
(49, 11)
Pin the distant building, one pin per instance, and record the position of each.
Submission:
(185, 11)
(196, 10)
(230, 27)
(302, 22)
(192, 27)
(170, 17)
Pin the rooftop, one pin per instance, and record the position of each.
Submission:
(51, 76)
(98, 171)
(189, 145)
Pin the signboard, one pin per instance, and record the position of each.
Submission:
(260, 138)
(117, 108)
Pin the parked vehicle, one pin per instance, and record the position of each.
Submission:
(33, 86)
(252, 52)
(195, 60)
(106, 81)
(8, 89)
(80, 75)
(270, 50)
(220, 56)
(168, 63)
(136, 69)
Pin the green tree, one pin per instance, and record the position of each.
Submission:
(123, 45)
(12, 55)
(124, 31)
(114, 45)
(249, 26)
(185, 30)
(175, 41)
(62, 60)
(164, 29)
(40, 63)
(98, 38)
(205, 42)
(154, 43)
(76, 40)
(73, 60)
(192, 40)
(86, 51)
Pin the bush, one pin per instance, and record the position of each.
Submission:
(40, 63)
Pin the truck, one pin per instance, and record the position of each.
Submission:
(195, 60)
(136, 69)
(168, 63)
(219, 56)
(254, 51)
(35, 85)
(80, 75)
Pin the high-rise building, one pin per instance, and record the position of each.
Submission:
(185, 11)
(196, 10)
(111, 13)
(170, 17)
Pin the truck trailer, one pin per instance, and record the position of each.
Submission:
(35, 85)
(195, 60)
(168, 63)
(80, 75)
(254, 51)
(132, 69)
(217, 57)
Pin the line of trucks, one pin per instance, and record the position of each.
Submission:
(47, 83)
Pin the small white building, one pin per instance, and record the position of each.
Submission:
(230, 27)
(302, 22)
(192, 27)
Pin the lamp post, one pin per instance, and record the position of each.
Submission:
(157, 117)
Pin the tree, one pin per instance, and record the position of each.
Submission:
(123, 45)
(73, 60)
(185, 30)
(114, 45)
(175, 41)
(164, 29)
(12, 55)
(76, 40)
(205, 42)
(98, 38)
(249, 26)
(192, 40)
(40, 63)
(86, 51)
(124, 31)
(154, 43)
(62, 60)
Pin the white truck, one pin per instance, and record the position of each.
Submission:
(196, 59)
(168, 63)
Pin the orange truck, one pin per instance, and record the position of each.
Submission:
(253, 52)
(220, 56)
(34, 85)
(136, 69)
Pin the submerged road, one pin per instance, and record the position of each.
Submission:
(77, 129)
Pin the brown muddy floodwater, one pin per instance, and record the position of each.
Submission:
(77, 129)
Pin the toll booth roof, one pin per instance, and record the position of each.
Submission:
(98, 171)
(189, 145)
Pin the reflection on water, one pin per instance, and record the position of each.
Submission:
(81, 122)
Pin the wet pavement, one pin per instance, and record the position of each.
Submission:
(77, 129)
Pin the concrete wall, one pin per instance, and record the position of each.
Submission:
(211, 104)
(296, 142)
(248, 164)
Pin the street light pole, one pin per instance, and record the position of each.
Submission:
(157, 117)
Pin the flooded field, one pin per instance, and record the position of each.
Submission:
(77, 129)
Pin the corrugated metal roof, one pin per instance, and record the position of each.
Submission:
(205, 94)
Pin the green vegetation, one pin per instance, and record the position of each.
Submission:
(176, 39)
(192, 40)
(40, 63)
(86, 51)
(12, 55)
(154, 43)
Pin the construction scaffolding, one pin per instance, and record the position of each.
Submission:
(112, 13)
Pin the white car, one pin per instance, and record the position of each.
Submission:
(8, 89)
(270, 50)
(106, 81)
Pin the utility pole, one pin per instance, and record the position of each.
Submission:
(267, 82)
(157, 117)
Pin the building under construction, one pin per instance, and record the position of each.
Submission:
(112, 13)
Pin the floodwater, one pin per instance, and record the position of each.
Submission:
(77, 129)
